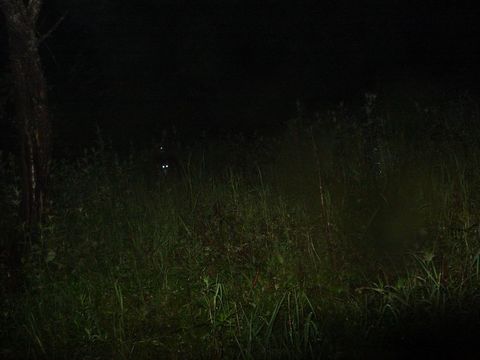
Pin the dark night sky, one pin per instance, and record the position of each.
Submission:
(135, 67)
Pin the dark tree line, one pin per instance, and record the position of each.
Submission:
(31, 111)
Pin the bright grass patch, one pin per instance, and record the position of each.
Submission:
(286, 247)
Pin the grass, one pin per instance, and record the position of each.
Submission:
(286, 247)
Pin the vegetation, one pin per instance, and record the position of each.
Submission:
(281, 247)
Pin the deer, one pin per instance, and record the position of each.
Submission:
(165, 159)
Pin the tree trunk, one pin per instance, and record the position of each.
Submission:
(32, 118)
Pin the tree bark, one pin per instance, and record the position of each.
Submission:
(32, 116)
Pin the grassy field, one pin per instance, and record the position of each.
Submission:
(352, 234)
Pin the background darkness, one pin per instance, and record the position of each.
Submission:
(136, 67)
